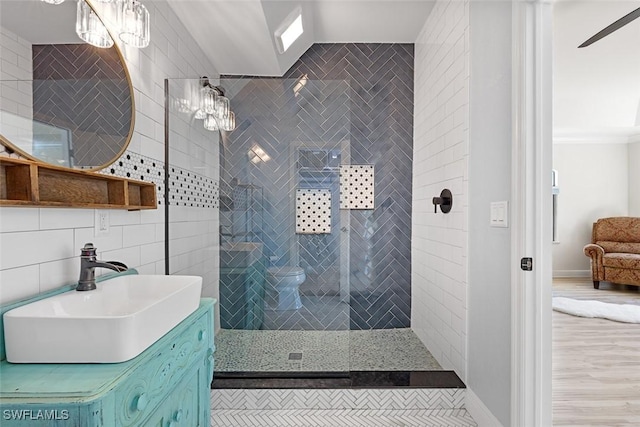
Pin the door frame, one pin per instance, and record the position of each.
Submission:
(531, 214)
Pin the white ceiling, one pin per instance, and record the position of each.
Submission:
(597, 88)
(238, 35)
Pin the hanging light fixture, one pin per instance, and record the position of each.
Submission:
(222, 108)
(89, 27)
(133, 20)
(214, 108)
(210, 123)
(229, 123)
(129, 17)
(200, 114)
(208, 99)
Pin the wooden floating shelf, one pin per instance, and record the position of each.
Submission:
(29, 183)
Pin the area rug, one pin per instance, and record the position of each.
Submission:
(627, 313)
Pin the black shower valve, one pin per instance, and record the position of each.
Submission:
(445, 201)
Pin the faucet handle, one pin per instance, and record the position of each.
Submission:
(88, 250)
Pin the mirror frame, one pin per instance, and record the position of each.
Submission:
(9, 145)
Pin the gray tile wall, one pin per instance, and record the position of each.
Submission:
(361, 94)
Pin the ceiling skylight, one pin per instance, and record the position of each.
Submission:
(286, 35)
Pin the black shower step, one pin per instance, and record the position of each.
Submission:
(349, 380)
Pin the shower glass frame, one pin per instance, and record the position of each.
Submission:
(263, 154)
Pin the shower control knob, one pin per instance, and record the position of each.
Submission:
(445, 201)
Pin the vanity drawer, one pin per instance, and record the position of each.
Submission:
(162, 371)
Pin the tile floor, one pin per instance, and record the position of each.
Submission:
(384, 349)
(339, 407)
(377, 350)
(342, 417)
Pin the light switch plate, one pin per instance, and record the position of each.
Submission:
(101, 223)
(499, 214)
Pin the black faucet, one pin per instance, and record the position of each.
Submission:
(88, 264)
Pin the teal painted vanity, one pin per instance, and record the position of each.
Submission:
(166, 385)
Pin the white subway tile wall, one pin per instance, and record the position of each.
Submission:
(39, 248)
(441, 149)
(193, 194)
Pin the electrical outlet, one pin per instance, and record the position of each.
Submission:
(101, 223)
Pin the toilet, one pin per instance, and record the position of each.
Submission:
(284, 283)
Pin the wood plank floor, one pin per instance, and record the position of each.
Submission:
(596, 362)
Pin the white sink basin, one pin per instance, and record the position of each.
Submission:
(113, 323)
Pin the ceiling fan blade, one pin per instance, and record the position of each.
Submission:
(613, 27)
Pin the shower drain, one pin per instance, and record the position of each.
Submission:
(295, 356)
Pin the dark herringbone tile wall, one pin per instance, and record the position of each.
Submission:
(360, 95)
(84, 89)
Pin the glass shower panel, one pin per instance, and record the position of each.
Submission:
(191, 189)
(284, 298)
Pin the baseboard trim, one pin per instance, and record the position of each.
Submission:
(571, 273)
(479, 412)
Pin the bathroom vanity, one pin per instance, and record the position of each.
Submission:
(166, 385)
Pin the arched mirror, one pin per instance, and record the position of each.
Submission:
(62, 101)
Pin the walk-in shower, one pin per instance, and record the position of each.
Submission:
(311, 264)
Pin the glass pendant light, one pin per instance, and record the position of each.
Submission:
(134, 23)
(89, 27)
(109, 12)
(210, 123)
(53, 1)
(229, 123)
(208, 100)
(200, 114)
(222, 107)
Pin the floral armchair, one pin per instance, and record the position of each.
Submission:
(615, 251)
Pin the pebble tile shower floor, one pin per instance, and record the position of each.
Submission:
(322, 351)
(377, 350)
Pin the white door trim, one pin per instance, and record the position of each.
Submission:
(531, 214)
